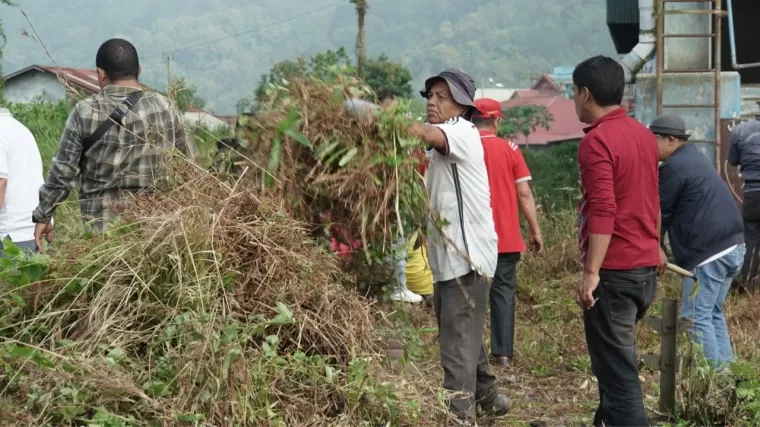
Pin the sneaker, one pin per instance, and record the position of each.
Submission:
(496, 405)
(405, 295)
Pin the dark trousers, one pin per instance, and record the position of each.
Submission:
(624, 298)
(751, 214)
(503, 289)
(460, 308)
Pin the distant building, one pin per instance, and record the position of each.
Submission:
(563, 78)
(564, 127)
(54, 84)
(498, 93)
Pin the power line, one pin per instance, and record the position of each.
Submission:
(250, 31)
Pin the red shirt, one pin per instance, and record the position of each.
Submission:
(618, 168)
(506, 167)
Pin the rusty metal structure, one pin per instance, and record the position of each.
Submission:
(717, 14)
(683, 58)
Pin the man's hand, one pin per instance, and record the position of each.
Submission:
(585, 293)
(536, 243)
(663, 262)
(40, 231)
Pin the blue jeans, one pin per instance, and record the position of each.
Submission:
(398, 259)
(28, 245)
(705, 308)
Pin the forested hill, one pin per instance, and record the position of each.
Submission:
(506, 40)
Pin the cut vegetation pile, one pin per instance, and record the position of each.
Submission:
(357, 172)
(208, 304)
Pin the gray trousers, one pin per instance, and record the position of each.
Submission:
(503, 289)
(460, 326)
(27, 245)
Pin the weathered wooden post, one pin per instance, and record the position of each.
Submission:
(668, 356)
(669, 327)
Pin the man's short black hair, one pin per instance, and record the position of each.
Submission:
(118, 58)
(603, 77)
(482, 122)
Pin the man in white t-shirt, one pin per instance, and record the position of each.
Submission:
(20, 181)
(462, 242)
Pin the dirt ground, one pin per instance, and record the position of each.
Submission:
(551, 383)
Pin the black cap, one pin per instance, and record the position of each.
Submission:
(461, 85)
(669, 125)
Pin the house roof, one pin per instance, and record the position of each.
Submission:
(564, 126)
(83, 78)
(548, 80)
(526, 93)
(86, 79)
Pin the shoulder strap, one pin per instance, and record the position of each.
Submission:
(116, 116)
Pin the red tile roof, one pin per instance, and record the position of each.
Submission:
(563, 127)
(546, 80)
(526, 93)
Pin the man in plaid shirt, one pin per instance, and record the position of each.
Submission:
(129, 159)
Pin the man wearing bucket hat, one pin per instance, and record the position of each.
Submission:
(508, 177)
(705, 230)
(462, 242)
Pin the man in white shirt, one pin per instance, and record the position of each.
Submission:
(462, 242)
(20, 180)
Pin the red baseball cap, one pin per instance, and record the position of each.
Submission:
(488, 109)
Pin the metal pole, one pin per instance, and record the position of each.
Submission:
(659, 44)
(717, 58)
(668, 356)
(732, 37)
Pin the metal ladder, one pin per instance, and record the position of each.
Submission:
(660, 36)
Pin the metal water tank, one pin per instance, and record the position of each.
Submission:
(623, 22)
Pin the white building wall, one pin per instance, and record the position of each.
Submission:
(33, 85)
(194, 118)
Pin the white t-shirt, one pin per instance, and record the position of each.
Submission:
(21, 165)
(457, 184)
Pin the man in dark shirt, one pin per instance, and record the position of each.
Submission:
(706, 233)
(618, 220)
(744, 151)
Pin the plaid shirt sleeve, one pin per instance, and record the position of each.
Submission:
(181, 141)
(64, 169)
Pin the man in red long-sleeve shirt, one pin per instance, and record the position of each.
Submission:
(618, 221)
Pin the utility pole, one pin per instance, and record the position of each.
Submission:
(361, 48)
(168, 70)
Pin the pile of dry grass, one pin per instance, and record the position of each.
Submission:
(361, 169)
(209, 303)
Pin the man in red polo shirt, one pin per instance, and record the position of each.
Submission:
(618, 221)
(508, 176)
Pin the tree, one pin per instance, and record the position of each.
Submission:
(185, 94)
(524, 119)
(361, 49)
(383, 74)
(324, 66)
(243, 105)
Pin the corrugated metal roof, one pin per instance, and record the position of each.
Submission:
(87, 79)
(83, 78)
